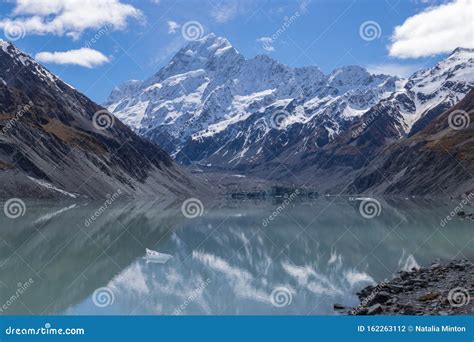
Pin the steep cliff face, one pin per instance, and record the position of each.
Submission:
(54, 141)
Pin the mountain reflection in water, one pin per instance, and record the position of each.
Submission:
(318, 252)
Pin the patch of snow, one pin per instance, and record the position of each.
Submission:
(350, 112)
(49, 216)
(51, 187)
(177, 79)
(133, 115)
(239, 106)
(223, 50)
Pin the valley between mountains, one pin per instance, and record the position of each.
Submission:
(212, 120)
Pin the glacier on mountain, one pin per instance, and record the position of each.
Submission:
(211, 104)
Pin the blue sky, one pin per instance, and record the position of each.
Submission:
(133, 39)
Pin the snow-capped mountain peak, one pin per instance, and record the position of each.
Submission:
(204, 53)
(428, 92)
(349, 75)
(211, 103)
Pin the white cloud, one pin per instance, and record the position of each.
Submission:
(438, 29)
(69, 17)
(173, 26)
(85, 57)
(267, 43)
(394, 69)
(223, 11)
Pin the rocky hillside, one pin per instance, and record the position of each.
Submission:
(438, 290)
(333, 167)
(439, 159)
(54, 141)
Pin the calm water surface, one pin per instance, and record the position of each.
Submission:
(313, 254)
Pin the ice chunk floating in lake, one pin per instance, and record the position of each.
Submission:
(156, 257)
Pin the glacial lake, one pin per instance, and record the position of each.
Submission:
(231, 260)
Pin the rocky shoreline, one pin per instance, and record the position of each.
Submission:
(437, 290)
